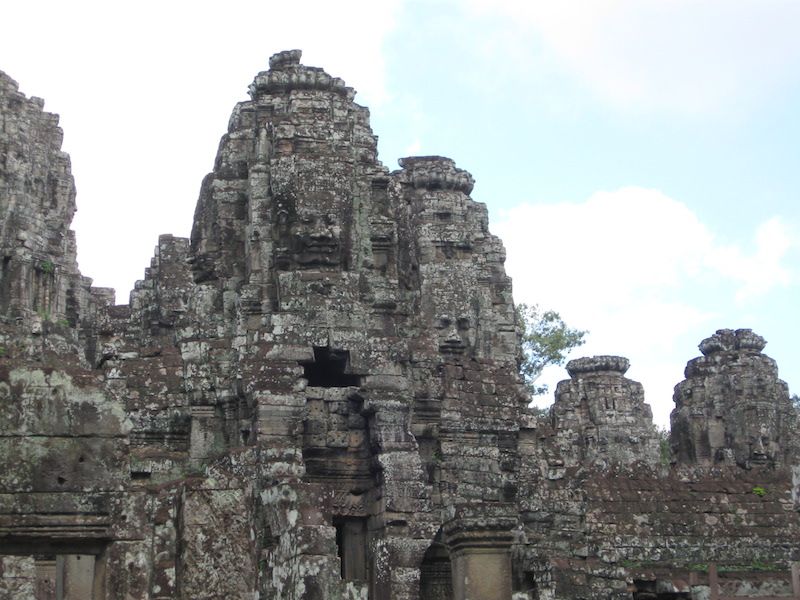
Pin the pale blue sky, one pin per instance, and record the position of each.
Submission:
(638, 157)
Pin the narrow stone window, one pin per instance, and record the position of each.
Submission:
(351, 539)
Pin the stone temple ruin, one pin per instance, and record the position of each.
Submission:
(318, 397)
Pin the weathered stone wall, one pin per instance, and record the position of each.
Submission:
(594, 533)
(606, 513)
(318, 396)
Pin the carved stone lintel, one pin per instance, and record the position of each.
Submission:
(483, 525)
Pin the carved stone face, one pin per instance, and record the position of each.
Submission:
(310, 237)
(315, 240)
(455, 334)
(762, 446)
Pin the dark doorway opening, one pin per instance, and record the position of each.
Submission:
(328, 369)
(649, 590)
(351, 539)
(436, 574)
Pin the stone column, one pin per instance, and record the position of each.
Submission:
(479, 537)
(75, 576)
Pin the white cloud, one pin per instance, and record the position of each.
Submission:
(631, 243)
(697, 56)
(762, 270)
(641, 272)
(413, 148)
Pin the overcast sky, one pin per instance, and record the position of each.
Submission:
(638, 158)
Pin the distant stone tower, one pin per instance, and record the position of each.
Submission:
(732, 409)
(602, 416)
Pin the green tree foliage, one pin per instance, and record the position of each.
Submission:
(546, 340)
(663, 445)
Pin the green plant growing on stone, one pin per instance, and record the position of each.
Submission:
(637, 564)
(44, 314)
(540, 411)
(436, 458)
(759, 491)
(760, 564)
(48, 268)
(546, 341)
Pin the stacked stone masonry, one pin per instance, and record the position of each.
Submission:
(318, 397)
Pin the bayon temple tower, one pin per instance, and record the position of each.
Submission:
(318, 397)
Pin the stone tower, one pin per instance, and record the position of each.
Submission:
(39, 278)
(327, 372)
(602, 415)
(732, 409)
(369, 328)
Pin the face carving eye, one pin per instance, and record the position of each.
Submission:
(443, 323)
(463, 323)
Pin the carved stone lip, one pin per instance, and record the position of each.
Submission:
(452, 347)
(320, 247)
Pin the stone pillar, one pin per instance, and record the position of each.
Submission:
(205, 424)
(479, 537)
